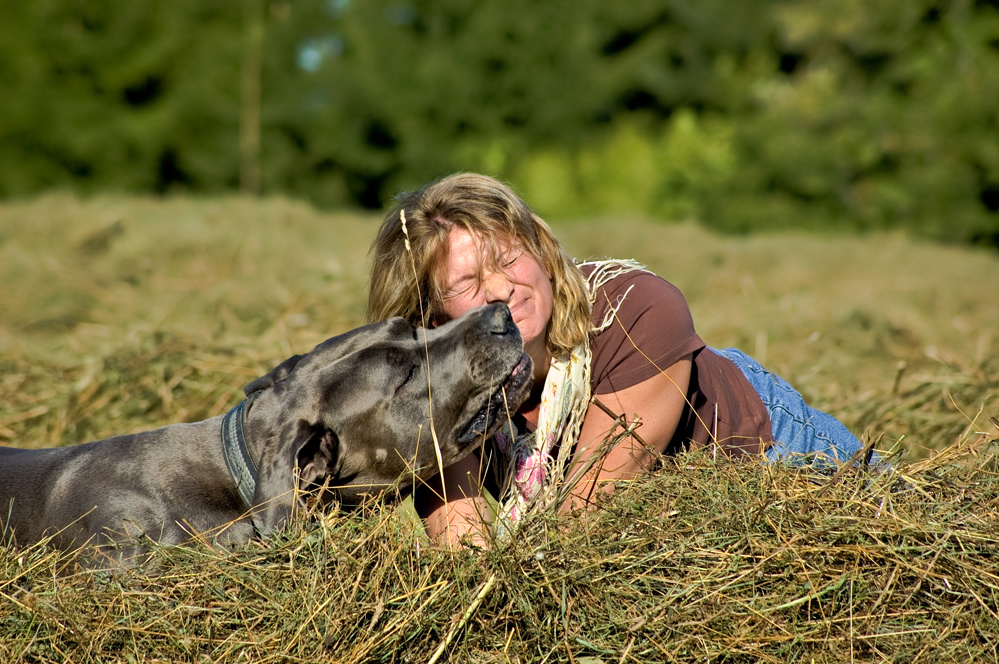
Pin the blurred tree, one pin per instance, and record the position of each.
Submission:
(139, 96)
(402, 92)
(887, 117)
(833, 113)
(742, 115)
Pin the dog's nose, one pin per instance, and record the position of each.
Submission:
(499, 320)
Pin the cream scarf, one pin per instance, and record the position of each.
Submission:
(534, 475)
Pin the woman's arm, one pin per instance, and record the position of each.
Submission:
(658, 402)
(464, 514)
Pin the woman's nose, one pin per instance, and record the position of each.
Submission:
(497, 287)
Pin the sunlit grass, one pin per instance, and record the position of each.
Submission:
(124, 314)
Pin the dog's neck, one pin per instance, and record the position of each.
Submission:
(238, 460)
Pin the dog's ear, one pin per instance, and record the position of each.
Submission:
(277, 374)
(310, 454)
(317, 457)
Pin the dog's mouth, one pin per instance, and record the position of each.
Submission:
(509, 395)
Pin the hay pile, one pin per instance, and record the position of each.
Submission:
(122, 315)
(707, 560)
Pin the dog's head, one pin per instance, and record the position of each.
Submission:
(373, 409)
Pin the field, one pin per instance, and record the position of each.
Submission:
(124, 314)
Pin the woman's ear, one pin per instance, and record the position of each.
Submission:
(435, 316)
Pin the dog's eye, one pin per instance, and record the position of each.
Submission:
(409, 376)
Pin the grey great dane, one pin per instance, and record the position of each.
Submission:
(353, 415)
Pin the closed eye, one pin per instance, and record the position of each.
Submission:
(461, 287)
(510, 258)
(409, 376)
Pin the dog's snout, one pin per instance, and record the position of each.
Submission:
(499, 320)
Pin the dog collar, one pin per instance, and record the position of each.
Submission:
(242, 470)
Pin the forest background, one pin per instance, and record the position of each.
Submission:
(743, 116)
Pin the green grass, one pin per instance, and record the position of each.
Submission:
(124, 314)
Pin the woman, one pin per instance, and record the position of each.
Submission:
(606, 338)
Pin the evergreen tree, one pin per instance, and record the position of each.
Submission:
(741, 115)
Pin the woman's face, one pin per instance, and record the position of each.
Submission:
(519, 281)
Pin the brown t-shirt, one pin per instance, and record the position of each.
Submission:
(721, 404)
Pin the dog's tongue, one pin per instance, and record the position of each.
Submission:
(522, 366)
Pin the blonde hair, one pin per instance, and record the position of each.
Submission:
(401, 277)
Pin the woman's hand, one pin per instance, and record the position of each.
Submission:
(658, 402)
(465, 513)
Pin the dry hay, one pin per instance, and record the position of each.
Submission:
(707, 560)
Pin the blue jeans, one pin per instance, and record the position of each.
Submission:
(799, 430)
